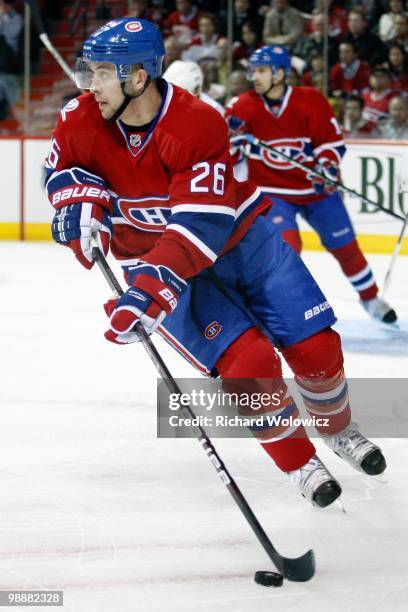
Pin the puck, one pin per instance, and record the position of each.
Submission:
(268, 579)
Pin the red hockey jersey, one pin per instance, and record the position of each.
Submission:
(174, 199)
(305, 129)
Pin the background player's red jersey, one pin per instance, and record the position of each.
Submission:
(174, 201)
(304, 128)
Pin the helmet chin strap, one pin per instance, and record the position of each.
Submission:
(127, 98)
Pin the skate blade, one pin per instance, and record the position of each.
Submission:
(340, 505)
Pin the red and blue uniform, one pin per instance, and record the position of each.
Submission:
(175, 203)
(302, 126)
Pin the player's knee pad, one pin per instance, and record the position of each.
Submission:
(250, 356)
(292, 237)
(319, 356)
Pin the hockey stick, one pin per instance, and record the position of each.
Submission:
(255, 141)
(397, 248)
(39, 24)
(402, 179)
(298, 569)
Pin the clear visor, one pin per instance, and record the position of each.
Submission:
(252, 67)
(90, 75)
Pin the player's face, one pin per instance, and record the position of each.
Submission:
(106, 88)
(262, 78)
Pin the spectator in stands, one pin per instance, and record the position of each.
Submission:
(310, 45)
(354, 124)
(386, 30)
(103, 11)
(249, 43)
(398, 67)
(222, 66)
(238, 83)
(283, 24)
(11, 25)
(316, 68)
(401, 31)
(183, 22)
(5, 108)
(350, 74)
(174, 49)
(378, 97)
(244, 12)
(141, 10)
(369, 46)
(396, 126)
(203, 44)
(337, 17)
(293, 78)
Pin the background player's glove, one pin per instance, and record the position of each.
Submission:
(74, 225)
(239, 145)
(331, 171)
(83, 206)
(153, 294)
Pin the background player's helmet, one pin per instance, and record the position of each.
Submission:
(187, 75)
(124, 43)
(273, 56)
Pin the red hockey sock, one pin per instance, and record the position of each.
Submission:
(356, 268)
(253, 357)
(317, 363)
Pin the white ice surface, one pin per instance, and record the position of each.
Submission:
(93, 504)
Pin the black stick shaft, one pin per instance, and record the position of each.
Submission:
(298, 569)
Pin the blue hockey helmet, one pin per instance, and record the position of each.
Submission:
(273, 56)
(124, 43)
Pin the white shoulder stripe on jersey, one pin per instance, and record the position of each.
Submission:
(242, 207)
(328, 145)
(192, 238)
(287, 191)
(222, 210)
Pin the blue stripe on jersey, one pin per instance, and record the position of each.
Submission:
(248, 210)
(212, 229)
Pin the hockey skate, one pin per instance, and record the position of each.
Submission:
(316, 483)
(357, 451)
(379, 310)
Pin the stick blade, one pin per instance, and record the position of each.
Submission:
(300, 569)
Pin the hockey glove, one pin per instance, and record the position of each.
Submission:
(239, 145)
(83, 207)
(331, 171)
(154, 293)
(74, 225)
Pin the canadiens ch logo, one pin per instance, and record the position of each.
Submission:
(292, 147)
(134, 26)
(212, 330)
(147, 214)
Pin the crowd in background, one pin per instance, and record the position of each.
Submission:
(367, 51)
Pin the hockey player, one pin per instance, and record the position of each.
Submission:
(146, 167)
(299, 121)
(189, 76)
